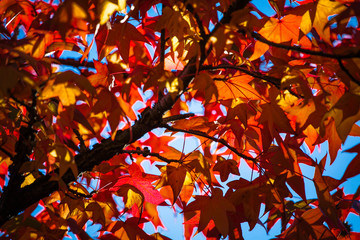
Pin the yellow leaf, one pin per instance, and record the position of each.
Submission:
(78, 11)
(133, 198)
(122, 5)
(80, 81)
(318, 16)
(29, 179)
(67, 87)
(107, 8)
(66, 92)
(306, 23)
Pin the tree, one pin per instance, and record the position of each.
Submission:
(115, 72)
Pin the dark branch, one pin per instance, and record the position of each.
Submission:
(82, 143)
(177, 117)
(275, 81)
(7, 153)
(146, 153)
(347, 72)
(338, 57)
(203, 34)
(162, 48)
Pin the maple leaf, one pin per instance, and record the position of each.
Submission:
(101, 78)
(281, 30)
(120, 35)
(275, 118)
(71, 14)
(246, 199)
(264, 100)
(128, 230)
(317, 16)
(176, 178)
(218, 215)
(308, 227)
(97, 212)
(157, 143)
(345, 116)
(67, 87)
(150, 210)
(329, 131)
(107, 102)
(204, 85)
(142, 182)
(236, 87)
(225, 167)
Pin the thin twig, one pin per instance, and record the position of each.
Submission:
(79, 194)
(203, 34)
(203, 134)
(275, 81)
(148, 153)
(306, 51)
(338, 57)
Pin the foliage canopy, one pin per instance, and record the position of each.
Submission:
(76, 72)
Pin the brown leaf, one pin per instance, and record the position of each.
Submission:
(225, 167)
(217, 214)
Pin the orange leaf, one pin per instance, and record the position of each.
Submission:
(276, 30)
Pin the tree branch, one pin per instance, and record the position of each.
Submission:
(205, 135)
(162, 48)
(177, 117)
(203, 35)
(275, 81)
(7, 153)
(347, 72)
(338, 57)
(306, 51)
(72, 62)
(146, 153)
(82, 142)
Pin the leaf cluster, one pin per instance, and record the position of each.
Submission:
(93, 90)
